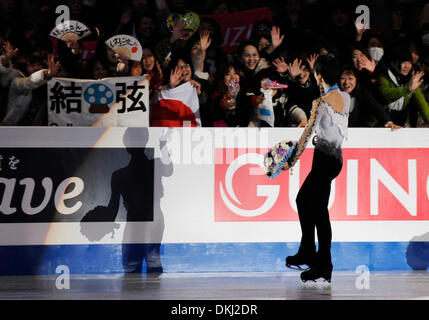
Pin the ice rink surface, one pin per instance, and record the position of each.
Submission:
(345, 285)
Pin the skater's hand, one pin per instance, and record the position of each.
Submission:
(285, 167)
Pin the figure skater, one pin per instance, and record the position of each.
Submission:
(328, 120)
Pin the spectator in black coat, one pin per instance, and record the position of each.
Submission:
(365, 111)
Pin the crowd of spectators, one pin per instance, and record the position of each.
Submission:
(385, 68)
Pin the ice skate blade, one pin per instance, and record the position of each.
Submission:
(323, 281)
(295, 267)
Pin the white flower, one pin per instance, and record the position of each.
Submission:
(274, 153)
(268, 161)
(277, 158)
(284, 144)
(275, 147)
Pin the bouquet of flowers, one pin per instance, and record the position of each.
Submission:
(233, 89)
(276, 157)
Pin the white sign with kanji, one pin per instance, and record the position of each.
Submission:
(110, 102)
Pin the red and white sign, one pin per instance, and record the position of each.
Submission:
(374, 184)
(237, 26)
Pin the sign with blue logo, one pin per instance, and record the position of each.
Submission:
(110, 102)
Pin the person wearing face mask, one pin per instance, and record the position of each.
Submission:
(375, 48)
(370, 54)
(364, 108)
(366, 71)
(400, 89)
(376, 53)
(363, 63)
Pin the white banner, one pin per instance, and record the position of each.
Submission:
(110, 102)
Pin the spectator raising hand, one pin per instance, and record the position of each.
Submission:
(177, 32)
(360, 29)
(175, 77)
(53, 66)
(416, 80)
(9, 52)
(280, 64)
(198, 51)
(205, 40)
(276, 39)
(367, 64)
(295, 68)
(311, 60)
(281, 43)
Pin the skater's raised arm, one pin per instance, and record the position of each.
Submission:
(303, 140)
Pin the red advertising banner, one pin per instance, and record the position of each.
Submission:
(375, 184)
(238, 26)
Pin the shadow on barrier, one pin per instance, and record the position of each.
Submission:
(417, 252)
(139, 185)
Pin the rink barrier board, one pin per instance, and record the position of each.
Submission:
(210, 257)
(391, 233)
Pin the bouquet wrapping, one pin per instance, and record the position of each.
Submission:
(276, 157)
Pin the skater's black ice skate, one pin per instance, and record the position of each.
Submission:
(317, 271)
(297, 261)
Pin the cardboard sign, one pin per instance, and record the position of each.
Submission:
(108, 102)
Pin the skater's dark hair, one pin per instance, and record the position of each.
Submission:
(328, 67)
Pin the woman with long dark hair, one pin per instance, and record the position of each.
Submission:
(328, 120)
(227, 100)
(255, 69)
